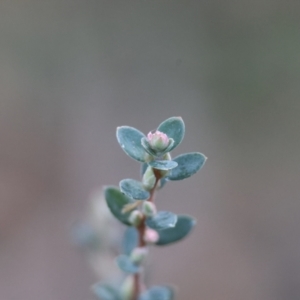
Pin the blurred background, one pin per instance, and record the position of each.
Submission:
(72, 71)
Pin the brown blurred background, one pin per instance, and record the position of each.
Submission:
(72, 71)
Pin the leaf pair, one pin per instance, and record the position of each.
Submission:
(181, 167)
(130, 139)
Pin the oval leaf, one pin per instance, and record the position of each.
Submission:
(162, 182)
(147, 147)
(129, 139)
(143, 169)
(162, 220)
(174, 128)
(116, 201)
(188, 164)
(134, 189)
(130, 240)
(182, 228)
(158, 293)
(163, 164)
(106, 292)
(126, 265)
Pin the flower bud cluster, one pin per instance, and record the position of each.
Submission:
(158, 141)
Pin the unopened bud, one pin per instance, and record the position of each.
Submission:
(150, 236)
(138, 255)
(149, 179)
(158, 141)
(167, 156)
(127, 288)
(149, 209)
(135, 218)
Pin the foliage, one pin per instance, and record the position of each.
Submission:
(133, 205)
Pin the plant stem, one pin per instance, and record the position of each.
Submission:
(141, 231)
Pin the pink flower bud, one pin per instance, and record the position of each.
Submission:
(158, 141)
(151, 236)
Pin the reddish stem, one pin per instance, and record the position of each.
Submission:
(141, 231)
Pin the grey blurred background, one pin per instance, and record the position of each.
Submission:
(72, 71)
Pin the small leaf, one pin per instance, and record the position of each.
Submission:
(106, 292)
(147, 147)
(174, 128)
(130, 240)
(188, 164)
(158, 293)
(116, 201)
(126, 265)
(144, 167)
(129, 139)
(162, 220)
(133, 189)
(182, 228)
(162, 182)
(163, 164)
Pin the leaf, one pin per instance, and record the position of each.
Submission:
(188, 164)
(126, 265)
(158, 293)
(147, 147)
(162, 182)
(144, 167)
(130, 240)
(174, 128)
(129, 139)
(133, 189)
(163, 164)
(182, 228)
(106, 292)
(162, 220)
(116, 201)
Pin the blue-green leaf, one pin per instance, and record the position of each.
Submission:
(162, 220)
(188, 164)
(182, 228)
(130, 240)
(162, 182)
(174, 128)
(133, 189)
(129, 139)
(144, 167)
(116, 201)
(147, 147)
(126, 265)
(158, 293)
(163, 164)
(106, 292)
